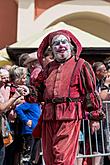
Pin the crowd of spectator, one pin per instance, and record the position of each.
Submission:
(24, 113)
(22, 116)
(102, 74)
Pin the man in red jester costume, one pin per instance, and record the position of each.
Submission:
(64, 97)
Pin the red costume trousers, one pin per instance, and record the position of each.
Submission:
(60, 141)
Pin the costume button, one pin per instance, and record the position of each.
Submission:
(55, 93)
(59, 69)
(56, 86)
(57, 77)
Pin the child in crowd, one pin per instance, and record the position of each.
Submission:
(28, 113)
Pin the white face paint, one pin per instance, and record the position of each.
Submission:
(61, 48)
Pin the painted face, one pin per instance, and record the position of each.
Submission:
(61, 48)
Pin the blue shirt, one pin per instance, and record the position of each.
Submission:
(28, 111)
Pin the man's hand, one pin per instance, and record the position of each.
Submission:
(95, 125)
(23, 90)
(20, 100)
(29, 123)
